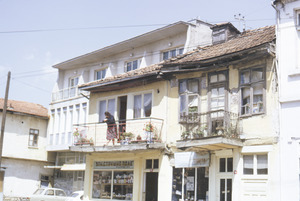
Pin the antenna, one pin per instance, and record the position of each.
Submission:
(240, 18)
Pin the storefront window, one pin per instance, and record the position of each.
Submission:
(192, 186)
(111, 181)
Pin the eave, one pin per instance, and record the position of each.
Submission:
(210, 144)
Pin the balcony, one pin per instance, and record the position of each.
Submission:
(143, 131)
(212, 130)
(67, 93)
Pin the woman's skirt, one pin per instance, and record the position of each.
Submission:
(111, 132)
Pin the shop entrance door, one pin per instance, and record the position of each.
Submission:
(151, 186)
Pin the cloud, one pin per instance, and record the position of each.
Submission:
(29, 57)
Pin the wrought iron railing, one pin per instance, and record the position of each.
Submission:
(208, 124)
(142, 130)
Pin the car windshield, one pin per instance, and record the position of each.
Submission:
(38, 191)
(74, 195)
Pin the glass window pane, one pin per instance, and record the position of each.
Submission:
(229, 189)
(258, 98)
(135, 64)
(147, 105)
(193, 85)
(165, 55)
(214, 93)
(111, 106)
(155, 165)
(173, 53)
(182, 86)
(222, 190)
(222, 164)
(180, 51)
(183, 104)
(102, 109)
(245, 77)
(193, 104)
(102, 184)
(122, 185)
(128, 66)
(257, 75)
(149, 164)
(213, 78)
(229, 164)
(245, 101)
(222, 77)
(137, 106)
(248, 164)
(262, 164)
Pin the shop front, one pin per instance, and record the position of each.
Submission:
(190, 176)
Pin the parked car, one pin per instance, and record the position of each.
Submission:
(76, 196)
(48, 194)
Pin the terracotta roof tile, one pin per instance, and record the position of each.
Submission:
(25, 107)
(246, 40)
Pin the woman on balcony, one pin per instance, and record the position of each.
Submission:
(111, 128)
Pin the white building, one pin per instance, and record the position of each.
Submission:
(70, 106)
(288, 50)
(24, 149)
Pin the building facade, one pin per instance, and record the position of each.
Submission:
(196, 127)
(288, 65)
(70, 105)
(24, 153)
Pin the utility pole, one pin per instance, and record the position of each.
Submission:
(2, 134)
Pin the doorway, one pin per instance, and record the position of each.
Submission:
(151, 186)
(122, 101)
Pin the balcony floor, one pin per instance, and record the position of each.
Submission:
(210, 143)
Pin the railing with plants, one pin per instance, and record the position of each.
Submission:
(129, 131)
(208, 124)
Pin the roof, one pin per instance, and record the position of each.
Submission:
(25, 108)
(245, 41)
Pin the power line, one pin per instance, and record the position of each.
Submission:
(79, 28)
(46, 91)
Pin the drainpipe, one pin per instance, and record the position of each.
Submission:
(278, 20)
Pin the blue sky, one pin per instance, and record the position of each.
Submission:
(35, 34)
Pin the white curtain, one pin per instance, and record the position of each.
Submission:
(111, 106)
(262, 161)
(248, 162)
(147, 104)
(137, 106)
(102, 108)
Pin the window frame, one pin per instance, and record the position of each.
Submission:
(106, 107)
(73, 82)
(142, 110)
(178, 51)
(187, 94)
(34, 141)
(297, 18)
(131, 62)
(255, 165)
(100, 71)
(251, 85)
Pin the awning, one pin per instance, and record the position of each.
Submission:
(73, 167)
(191, 159)
(52, 167)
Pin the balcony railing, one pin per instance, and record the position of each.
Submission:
(213, 123)
(129, 131)
(67, 93)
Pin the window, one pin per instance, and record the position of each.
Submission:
(113, 180)
(33, 137)
(100, 74)
(142, 105)
(152, 164)
(297, 19)
(255, 164)
(106, 105)
(172, 53)
(226, 165)
(189, 97)
(132, 65)
(252, 83)
(73, 81)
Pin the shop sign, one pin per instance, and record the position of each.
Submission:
(191, 159)
(113, 165)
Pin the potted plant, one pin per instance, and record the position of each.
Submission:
(185, 135)
(138, 138)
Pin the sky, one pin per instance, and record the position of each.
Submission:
(35, 34)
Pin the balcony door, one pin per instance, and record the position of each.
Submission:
(217, 100)
(122, 104)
